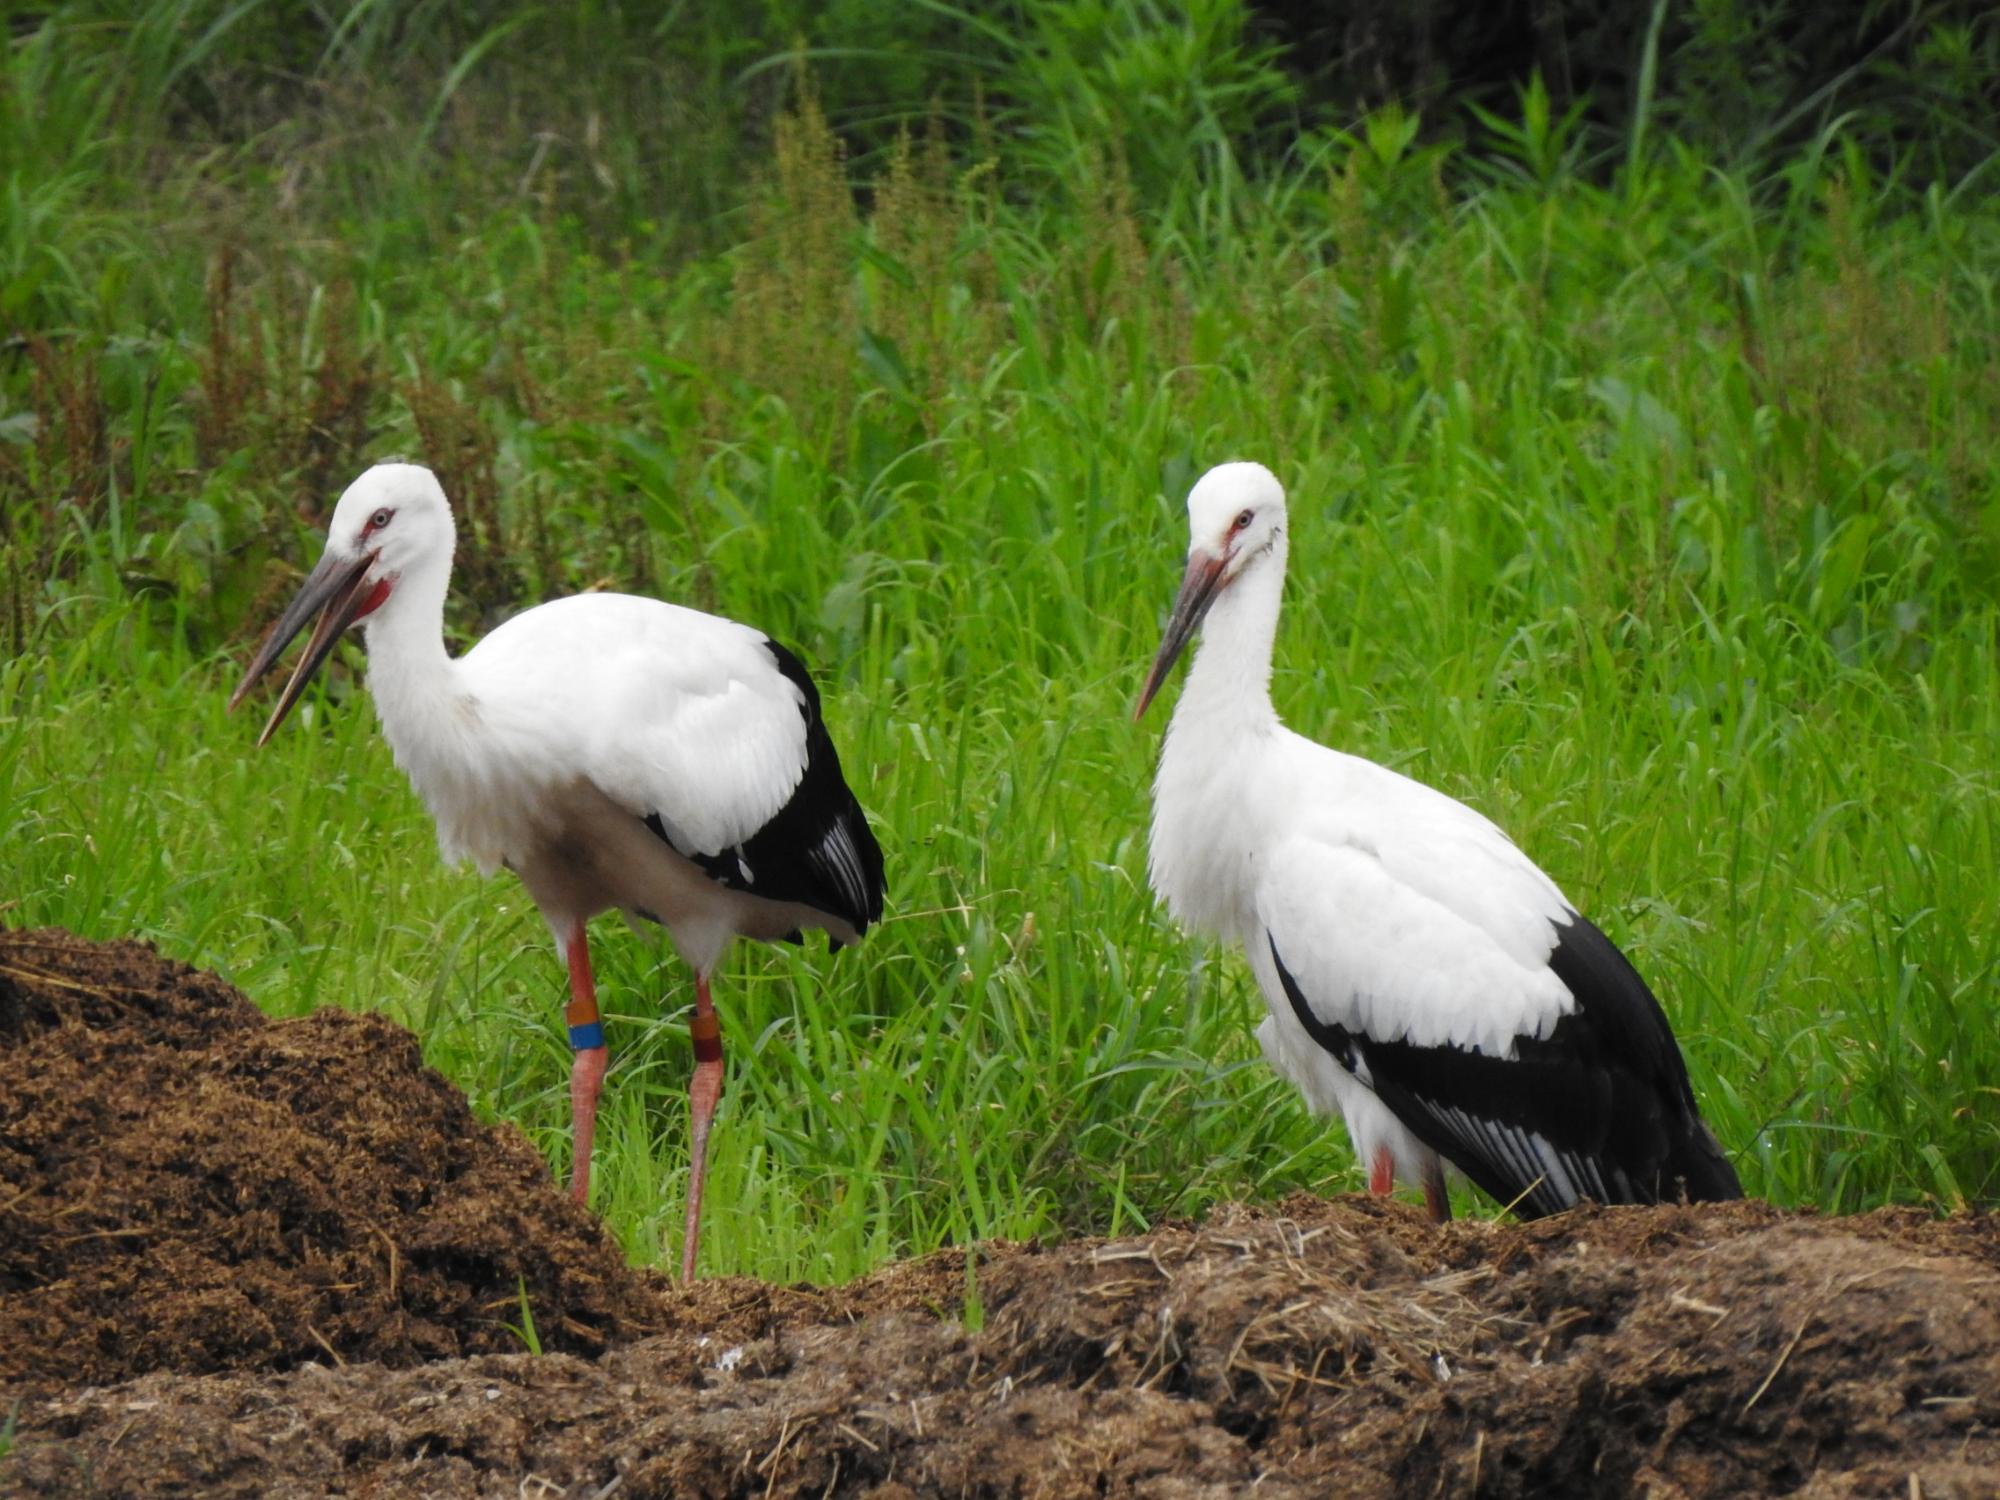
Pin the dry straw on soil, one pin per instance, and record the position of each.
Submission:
(241, 1258)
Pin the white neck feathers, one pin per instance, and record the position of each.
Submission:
(1204, 824)
(413, 681)
(1229, 681)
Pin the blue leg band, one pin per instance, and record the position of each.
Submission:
(582, 1038)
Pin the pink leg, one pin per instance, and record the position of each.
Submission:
(586, 1069)
(704, 1092)
(1382, 1174)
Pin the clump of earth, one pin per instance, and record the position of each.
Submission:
(241, 1257)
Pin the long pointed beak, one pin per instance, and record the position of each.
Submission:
(1198, 591)
(335, 590)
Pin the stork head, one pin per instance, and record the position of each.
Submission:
(1236, 518)
(392, 524)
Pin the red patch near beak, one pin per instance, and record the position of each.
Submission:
(374, 601)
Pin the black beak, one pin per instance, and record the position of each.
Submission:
(335, 590)
(1198, 591)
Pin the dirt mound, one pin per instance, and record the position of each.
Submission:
(1346, 1349)
(1343, 1347)
(187, 1186)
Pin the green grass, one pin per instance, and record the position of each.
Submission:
(1660, 520)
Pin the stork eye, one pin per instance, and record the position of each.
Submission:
(380, 519)
(1243, 521)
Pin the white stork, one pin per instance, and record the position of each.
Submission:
(612, 751)
(1423, 976)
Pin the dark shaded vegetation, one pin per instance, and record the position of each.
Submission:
(1916, 82)
(686, 88)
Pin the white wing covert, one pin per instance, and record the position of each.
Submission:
(672, 713)
(1385, 948)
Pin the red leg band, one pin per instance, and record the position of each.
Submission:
(705, 1031)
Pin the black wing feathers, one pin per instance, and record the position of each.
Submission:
(817, 850)
(1633, 1043)
(1599, 1108)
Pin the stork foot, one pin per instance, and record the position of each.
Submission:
(1382, 1173)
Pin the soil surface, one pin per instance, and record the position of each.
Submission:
(252, 1258)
